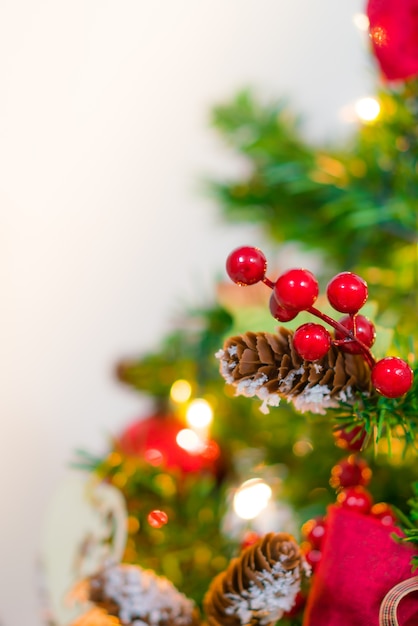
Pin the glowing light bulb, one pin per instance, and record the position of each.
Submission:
(361, 21)
(251, 498)
(367, 109)
(180, 391)
(199, 414)
(189, 441)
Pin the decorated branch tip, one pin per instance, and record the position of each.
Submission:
(296, 290)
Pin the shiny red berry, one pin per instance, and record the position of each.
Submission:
(249, 539)
(356, 499)
(279, 312)
(296, 289)
(364, 331)
(246, 265)
(311, 341)
(347, 292)
(383, 512)
(350, 438)
(314, 531)
(350, 472)
(313, 558)
(392, 377)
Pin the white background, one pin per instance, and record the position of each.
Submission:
(105, 233)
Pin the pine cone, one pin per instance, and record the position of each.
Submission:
(130, 593)
(268, 366)
(259, 586)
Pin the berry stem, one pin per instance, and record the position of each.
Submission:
(268, 282)
(368, 356)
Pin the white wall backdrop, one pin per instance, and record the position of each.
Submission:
(104, 231)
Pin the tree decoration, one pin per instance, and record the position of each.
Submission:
(267, 366)
(133, 595)
(306, 367)
(394, 37)
(259, 586)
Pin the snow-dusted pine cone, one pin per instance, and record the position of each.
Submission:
(258, 586)
(130, 595)
(266, 365)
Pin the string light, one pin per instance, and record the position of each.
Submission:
(199, 414)
(189, 441)
(361, 21)
(251, 498)
(367, 109)
(180, 391)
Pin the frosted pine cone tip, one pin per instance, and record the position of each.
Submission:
(267, 366)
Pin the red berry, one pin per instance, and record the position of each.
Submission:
(314, 531)
(392, 377)
(249, 539)
(350, 438)
(296, 289)
(365, 331)
(246, 265)
(157, 519)
(347, 292)
(279, 312)
(384, 513)
(356, 499)
(313, 557)
(311, 341)
(350, 472)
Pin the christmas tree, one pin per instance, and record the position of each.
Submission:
(241, 516)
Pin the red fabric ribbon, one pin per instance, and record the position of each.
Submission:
(361, 563)
(394, 36)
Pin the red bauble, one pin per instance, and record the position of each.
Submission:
(157, 519)
(394, 36)
(347, 292)
(356, 499)
(350, 472)
(392, 377)
(154, 439)
(246, 265)
(313, 558)
(296, 289)
(250, 538)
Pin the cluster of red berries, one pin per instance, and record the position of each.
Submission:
(349, 478)
(296, 290)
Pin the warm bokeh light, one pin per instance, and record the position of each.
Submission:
(180, 391)
(302, 447)
(367, 109)
(199, 414)
(189, 441)
(251, 498)
(361, 21)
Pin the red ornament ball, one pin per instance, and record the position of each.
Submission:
(157, 519)
(356, 499)
(154, 440)
(364, 331)
(392, 377)
(350, 472)
(279, 312)
(296, 289)
(347, 292)
(350, 438)
(311, 341)
(314, 531)
(246, 265)
(394, 37)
